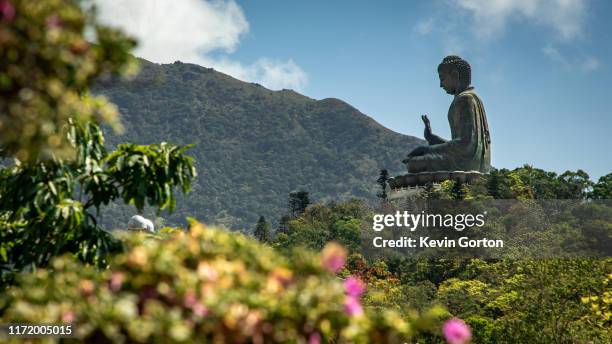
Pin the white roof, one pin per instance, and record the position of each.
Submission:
(138, 222)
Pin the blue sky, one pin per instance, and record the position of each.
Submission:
(542, 67)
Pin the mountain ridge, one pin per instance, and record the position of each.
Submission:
(252, 145)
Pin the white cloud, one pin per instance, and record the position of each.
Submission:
(190, 30)
(424, 27)
(453, 45)
(585, 64)
(554, 54)
(273, 74)
(589, 64)
(280, 74)
(565, 17)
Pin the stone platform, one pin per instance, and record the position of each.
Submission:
(412, 185)
(421, 179)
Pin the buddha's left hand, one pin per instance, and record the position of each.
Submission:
(428, 133)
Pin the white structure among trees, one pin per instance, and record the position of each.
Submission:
(138, 222)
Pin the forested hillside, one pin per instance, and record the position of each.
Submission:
(252, 146)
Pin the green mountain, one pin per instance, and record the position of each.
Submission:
(252, 145)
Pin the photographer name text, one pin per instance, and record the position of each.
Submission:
(411, 222)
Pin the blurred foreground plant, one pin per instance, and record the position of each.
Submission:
(204, 286)
(46, 67)
(51, 51)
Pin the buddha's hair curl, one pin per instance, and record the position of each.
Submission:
(455, 62)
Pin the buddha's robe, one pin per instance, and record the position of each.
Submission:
(469, 148)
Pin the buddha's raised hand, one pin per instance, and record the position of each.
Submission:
(428, 132)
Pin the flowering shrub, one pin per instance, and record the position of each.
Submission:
(600, 306)
(207, 285)
(51, 51)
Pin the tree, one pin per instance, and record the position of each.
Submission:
(543, 184)
(320, 224)
(262, 230)
(298, 201)
(46, 68)
(46, 208)
(603, 188)
(574, 185)
(493, 183)
(382, 181)
(283, 224)
(458, 190)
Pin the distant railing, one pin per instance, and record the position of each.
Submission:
(414, 187)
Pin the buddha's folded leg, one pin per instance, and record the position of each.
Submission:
(428, 162)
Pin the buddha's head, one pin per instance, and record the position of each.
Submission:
(455, 74)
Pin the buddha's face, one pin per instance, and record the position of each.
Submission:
(449, 80)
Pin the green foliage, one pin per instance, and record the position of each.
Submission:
(46, 67)
(600, 305)
(603, 188)
(458, 191)
(574, 185)
(430, 192)
(150, 172)
(382, 182)
(262, 230)
(213, 286)
(320, 224)
(539, 301)
(463, 298)
(384, 290)
(515, 184)
(46, 207)
(298, 201)
(528, 182)
(493, 184)
(520, 300)
(50, 124)
(208, 286)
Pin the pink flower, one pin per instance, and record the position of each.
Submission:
(207, 272)
(315, 338)
(354, 286)
(352, 306)
(333, 257)
(7, 10)
(200, 310)
(67, 317)
(456, 331)
(116, 281)
(53, 21)
(190, 299)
